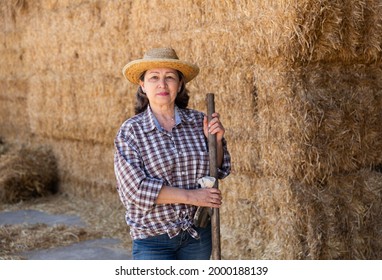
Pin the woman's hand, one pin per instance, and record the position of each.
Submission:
(205, 197)
(214, 127)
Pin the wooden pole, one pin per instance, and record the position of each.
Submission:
(212, 148)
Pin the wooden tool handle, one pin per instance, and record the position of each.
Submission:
(212, 148)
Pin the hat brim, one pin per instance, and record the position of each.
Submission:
(133, 70)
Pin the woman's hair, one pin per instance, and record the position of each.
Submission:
(142, 101)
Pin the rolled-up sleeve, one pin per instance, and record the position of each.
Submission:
(133, 185)
(225, 170)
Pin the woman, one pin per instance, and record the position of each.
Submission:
(160, 153)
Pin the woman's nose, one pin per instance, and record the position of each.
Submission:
(162, 83)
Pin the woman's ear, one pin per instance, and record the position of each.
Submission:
(180, 86)
(142, 87)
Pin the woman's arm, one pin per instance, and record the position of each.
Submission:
(206, 197)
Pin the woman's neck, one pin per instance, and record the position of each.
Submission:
(165, 117)
(164, 113)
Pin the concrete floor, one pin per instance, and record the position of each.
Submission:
(97, 249)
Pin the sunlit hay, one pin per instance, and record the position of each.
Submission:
(310, 31)
(337, 30)
(27, 173)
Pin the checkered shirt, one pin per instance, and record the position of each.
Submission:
(148, 157)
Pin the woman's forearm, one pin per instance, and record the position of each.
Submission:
(206, 197)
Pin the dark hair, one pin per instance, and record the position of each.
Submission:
(142, 101)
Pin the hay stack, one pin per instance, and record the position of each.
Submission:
(297, 84)
(27, 173)
(318, 121)
(291, 220)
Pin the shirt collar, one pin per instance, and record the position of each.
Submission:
(150, 122)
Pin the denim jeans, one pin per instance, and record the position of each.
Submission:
(181, 247)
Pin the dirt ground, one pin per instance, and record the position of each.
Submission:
(101, 219)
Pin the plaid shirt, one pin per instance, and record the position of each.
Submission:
(148, 157)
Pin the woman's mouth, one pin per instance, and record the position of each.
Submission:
(163, 93)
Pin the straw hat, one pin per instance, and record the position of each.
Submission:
(159, 58)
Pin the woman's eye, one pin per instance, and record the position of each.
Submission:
(154, 78)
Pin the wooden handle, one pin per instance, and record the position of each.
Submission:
(212, 149)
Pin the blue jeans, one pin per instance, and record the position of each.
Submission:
(181, 247)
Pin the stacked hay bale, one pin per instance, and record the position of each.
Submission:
(61, 84)
(319, 132)
(13, 81)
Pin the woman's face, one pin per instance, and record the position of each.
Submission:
(161, 86)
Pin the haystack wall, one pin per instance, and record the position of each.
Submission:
(297, 84)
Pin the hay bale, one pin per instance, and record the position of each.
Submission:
(319, 132)
(332, 30)
(14, 121)
(305, 31)
(27, 173)
(84, 109)
(319, 120)
(268, 228)
(85, 168)
(343, 131)
(341, 220)
(292, 220)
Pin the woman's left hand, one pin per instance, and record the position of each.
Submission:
(214, 127)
